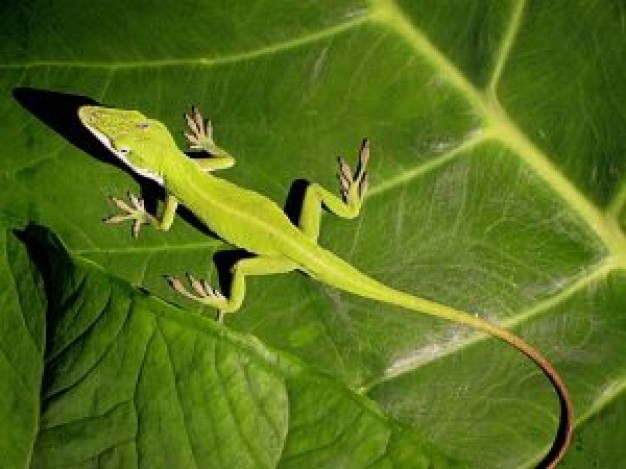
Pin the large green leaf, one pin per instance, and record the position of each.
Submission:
(497, 187)
(21, 352)
(134, 382)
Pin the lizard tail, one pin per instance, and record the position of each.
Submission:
(378, 291)
(334, 271)
(564, 433)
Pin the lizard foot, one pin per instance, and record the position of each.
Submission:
(354, 185)
(201, 130)
(136, 211)
(204, 293)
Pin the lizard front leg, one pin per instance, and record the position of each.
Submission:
(353, 190)
(136, 211)
(205, 294)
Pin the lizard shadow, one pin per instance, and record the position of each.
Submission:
(59, 111)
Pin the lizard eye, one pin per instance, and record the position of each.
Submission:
(124, 150)
(143, 125)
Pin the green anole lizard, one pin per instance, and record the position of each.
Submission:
(253, 222)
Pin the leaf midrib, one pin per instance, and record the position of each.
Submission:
(499, 124)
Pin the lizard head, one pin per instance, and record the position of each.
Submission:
(136, 140)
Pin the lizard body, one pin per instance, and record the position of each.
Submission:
(253, 222)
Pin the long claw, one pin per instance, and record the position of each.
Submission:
(204, 292)
(196, 285)
(194, 143)
(114, 219)
(175, 283)
(191, 123)
(137, 202)
(344, 169)
(363, 185)
(197, 118)
(178, 286)
(354, 185)
(135, 211)
(364, 155)
(345, 184)
(121, 204)
(208, 129)
(214, 292)
(136, 228)
(200, 129)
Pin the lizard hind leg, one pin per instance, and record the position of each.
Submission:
(205, 294)
(353, 190)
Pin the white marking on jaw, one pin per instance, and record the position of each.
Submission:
(122, 156)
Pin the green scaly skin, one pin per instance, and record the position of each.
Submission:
(253, 222)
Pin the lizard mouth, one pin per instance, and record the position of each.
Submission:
(106, 141)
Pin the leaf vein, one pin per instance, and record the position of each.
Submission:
(203, 61)
(178, 396)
